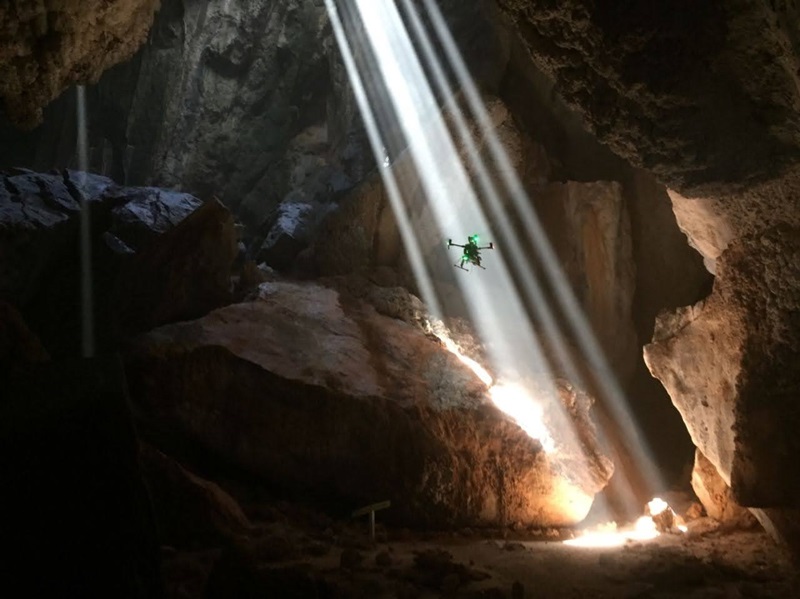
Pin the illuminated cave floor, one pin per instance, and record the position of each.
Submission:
(281, 561)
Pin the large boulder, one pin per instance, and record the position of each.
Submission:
(315, 391)
(156, 255)
(730, 364)
(180, 275)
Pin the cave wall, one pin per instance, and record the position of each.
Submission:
(697, 92)
(250, 102)
(705, 95)
(48, 46)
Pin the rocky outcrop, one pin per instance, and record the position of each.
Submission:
(316, 392)
(705, 224)
(589, 230)
(46, 47)
(694, 92)
(716, 496)
(181, 275)
(142, 273)
(730, 365)
(190, 511)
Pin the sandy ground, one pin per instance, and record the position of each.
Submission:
(286, 561)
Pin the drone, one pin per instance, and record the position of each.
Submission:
(472, 252)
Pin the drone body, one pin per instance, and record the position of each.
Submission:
(472, 252)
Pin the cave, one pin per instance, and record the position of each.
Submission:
(400, 298)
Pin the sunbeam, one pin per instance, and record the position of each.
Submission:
(604, 378)
(400, 106)
(87, 307)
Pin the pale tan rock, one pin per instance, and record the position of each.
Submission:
(729, 364)
(715, 495)
(312, 389)
(705, 224)
(589, 230)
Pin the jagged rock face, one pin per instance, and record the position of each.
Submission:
(695, 92)
(47, 46)
(142, 274)
(590, 232)
(316, 392)
(730, 365)
(715, 495)
(705, 224)
(190, 511)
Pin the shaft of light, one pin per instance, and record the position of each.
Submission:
(407, 232)
(445, 183)
(448, 189)
(87, 307)
(567, 301)
(510, 244)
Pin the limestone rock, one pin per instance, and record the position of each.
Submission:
(715, 495)
(145, 271)
(46, 47)
(314, 391)
(730, 362)
(289, 234)
(182, 274)
(360, 234)
(191, 511)
(674, 87)
(589, 230)
(705, 225)
(142, 214)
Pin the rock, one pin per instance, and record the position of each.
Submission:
(705, 225)
(191, 512)
(589, 229)
(274, 547)
(336, 378)
(45, 48)
(350, 239)
(145, 213)
(727, 363)
(180, 275)
(290, 234)
(683, 114)
(715, 495)
(143, 272)
(435, 569)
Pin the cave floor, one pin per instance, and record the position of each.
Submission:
(278, 560)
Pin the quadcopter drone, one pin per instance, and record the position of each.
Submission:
(472, 252)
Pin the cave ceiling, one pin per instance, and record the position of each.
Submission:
(697, 92)
(700, 93)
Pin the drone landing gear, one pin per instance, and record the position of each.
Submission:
(461, 266)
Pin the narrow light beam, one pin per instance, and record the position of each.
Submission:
(87, 302)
